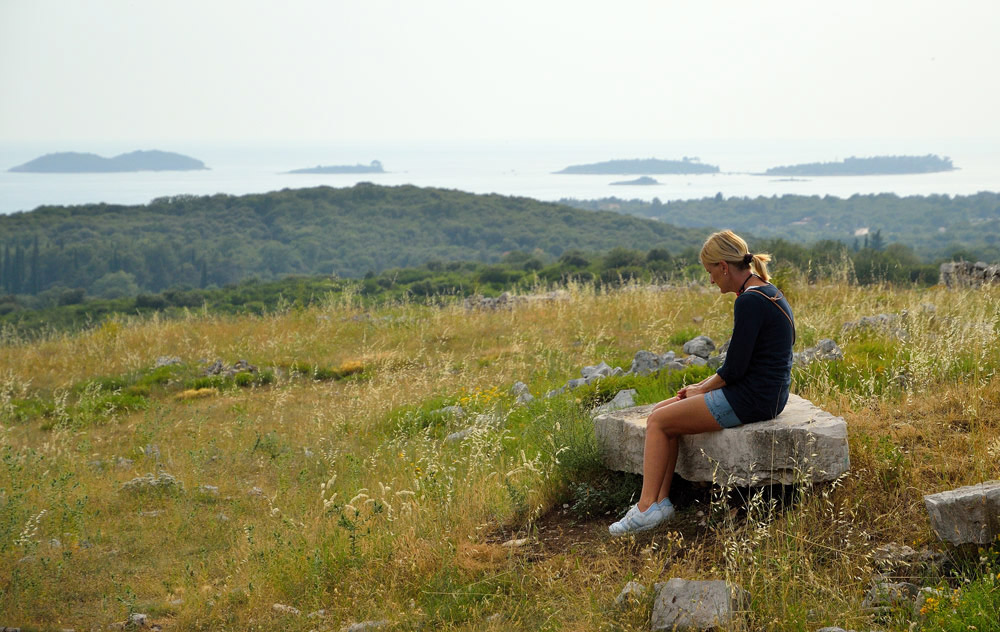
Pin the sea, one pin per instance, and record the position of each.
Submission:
(513, 168)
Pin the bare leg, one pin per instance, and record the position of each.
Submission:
(663, 427)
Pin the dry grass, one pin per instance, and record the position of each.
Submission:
(340, 495)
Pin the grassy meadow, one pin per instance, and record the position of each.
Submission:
(323, 482)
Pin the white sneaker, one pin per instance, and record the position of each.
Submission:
(636, 521)
(667, 508)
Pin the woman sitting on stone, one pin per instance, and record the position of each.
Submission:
(751, 385)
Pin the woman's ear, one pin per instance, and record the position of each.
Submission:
(724, 267)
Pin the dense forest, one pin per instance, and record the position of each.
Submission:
(200, 242)
(647, 166)
(937, 227)
(435, 280)
(877, 165)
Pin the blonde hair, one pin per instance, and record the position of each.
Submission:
(729, 247)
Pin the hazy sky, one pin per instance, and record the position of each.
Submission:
(372, 70)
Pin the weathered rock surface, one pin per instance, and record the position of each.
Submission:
(159, 482)
(802, 443)
(701, 346)
(966, 274)
(624, 399)
(699, 605)
(826, 350)
(967, 515)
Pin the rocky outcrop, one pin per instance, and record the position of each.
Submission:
(802, 443)
(967, 515)
(956, 274)
(683, 604)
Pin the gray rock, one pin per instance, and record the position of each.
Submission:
(890, 594)
(624, 399)
(699, 605)
(138, 620)
(255, 491)
(694, 360)
(826, 350)
(967, 515)
(961, 274)
(675, 366)
(646, 362)
(890, 557)
(366, 626)
(724, 347)
(451, 411)
(602, 369)
(555, 392)
(617, 371)
(631, 589)
(211, 490)
(802, 443)
(458, 436)
(166, 361)
(701, 346)
(833, 629)
(576, 383)
(518, 388)
(283, 609)
(162, 482)
(716, 361)
(524, 398)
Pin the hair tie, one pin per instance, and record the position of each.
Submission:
(747, 258)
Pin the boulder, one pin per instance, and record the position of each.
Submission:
(695, 605)
(602, 370)
(826, 350)
(701, 346)
(646, 362)
(967, 515)
(802, 443)
(624, 399)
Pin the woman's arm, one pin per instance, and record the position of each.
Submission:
(711, 383)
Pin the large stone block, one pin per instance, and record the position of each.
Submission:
(683, 604)
(804, 443)
(967, 515)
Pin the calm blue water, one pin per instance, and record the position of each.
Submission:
(514, 168)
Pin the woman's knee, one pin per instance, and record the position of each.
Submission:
(663, 421)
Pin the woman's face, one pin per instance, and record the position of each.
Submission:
(719, 274)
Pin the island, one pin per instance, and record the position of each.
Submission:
(640, 181)
(647, 166)
(374, 167)
(874, 166)
(75, 162)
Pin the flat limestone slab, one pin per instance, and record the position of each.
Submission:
(967, 515)
(804, 443)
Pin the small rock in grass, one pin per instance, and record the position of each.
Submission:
(138, 620)
(365, 626)
(518, 388)
(631, 589)
(211, 490)
(283, 609)
(884, 595)
(516, 544)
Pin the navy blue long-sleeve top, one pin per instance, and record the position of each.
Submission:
(758, 366)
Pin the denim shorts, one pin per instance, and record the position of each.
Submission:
(719, 406)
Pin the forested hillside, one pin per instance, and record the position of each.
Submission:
(935, 226)
(112, 250)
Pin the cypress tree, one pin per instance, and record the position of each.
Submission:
(35, 282)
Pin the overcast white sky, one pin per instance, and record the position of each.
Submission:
(434, 69)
